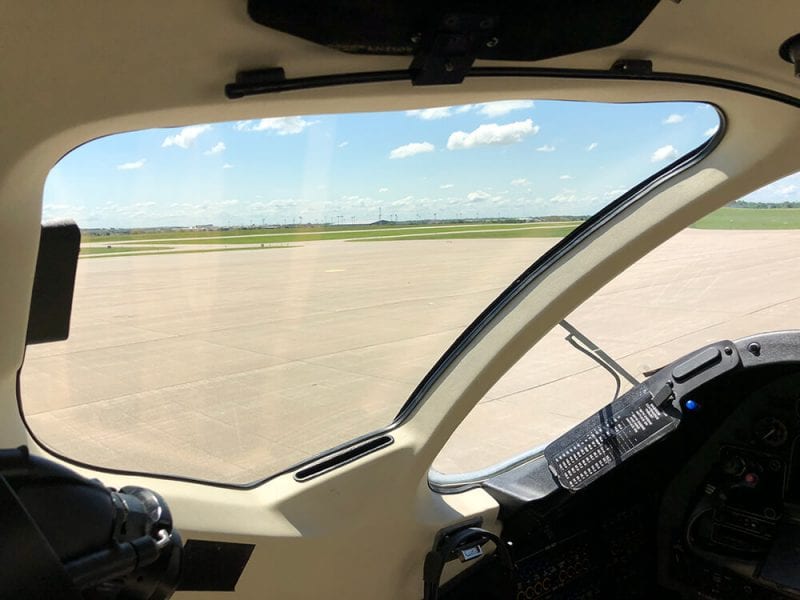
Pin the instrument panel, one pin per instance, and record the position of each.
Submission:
(740, 532)
(687, 487)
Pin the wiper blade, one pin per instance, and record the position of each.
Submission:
(583, 344)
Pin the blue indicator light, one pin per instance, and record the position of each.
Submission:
(691, 405)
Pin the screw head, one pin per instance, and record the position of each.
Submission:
(492, 42)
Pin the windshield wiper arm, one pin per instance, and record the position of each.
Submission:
(583, 344)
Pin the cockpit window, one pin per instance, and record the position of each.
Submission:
(732, 274)
(252, 293)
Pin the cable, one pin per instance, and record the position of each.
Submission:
(447, 550)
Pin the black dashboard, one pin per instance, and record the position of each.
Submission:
(687, 486)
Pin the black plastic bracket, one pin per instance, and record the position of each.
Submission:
(790, 52)
(446, 56)
(633, 66)
(256, 78)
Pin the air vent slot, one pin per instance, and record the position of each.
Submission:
(342, 458)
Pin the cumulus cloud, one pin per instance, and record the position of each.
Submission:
(615, 193)
(129, 166)
(487, 109)
(591, 146)
(227, 166)
(185, 137)
(546, 148)
(520, 181)
(383, 190)
(431, 114)
(673, 119)
(498, 109)
(492, 133)
(664, 153)
(566, 177)
(711, 131)
(343, 144)
(446, 186)
(280, 125)
(217, 148)
(478, 196)
(411, 149)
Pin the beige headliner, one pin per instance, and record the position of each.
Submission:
(72, 71)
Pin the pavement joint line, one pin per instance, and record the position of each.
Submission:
(195, 382)
(767, 307)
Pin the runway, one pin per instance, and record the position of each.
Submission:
(230, 366)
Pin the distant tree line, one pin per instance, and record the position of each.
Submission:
(745, 204)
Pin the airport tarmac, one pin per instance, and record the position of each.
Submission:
(230, 366)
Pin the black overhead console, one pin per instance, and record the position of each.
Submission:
(445, 37)
(513, 30)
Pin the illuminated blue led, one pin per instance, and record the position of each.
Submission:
(691, 405)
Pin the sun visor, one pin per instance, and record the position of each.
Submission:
(54, 283)
(516, 30)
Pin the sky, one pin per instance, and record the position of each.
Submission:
(515, 158)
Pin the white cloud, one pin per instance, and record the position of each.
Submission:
(520, 181)
(498, 109)
(280, 125)
(227, 166)
(343, 144)
(383, 190)
(615, 193)
(478, 195)
(591, 146)
(664, 153)
(673, 119)
(492, 133)
(566, 177)
(446, 186)
(411, 149)
(711, 131)
(185, 137)
(218, 148)
(546, 148)
(129, 166)
(431, 114)
(487, 109)
(283, 125)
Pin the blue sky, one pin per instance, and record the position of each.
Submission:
(503, 159)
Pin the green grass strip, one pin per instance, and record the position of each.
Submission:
(751, 218)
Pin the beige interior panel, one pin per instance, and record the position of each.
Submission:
(75, 71)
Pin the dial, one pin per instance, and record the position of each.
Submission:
(771, 432)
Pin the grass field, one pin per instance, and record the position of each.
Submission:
(119, 249)
(525, 232)
(272, 236)
(751, 218)
(161, 250)
(165, 235)
(168, 242)
(328, 232)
